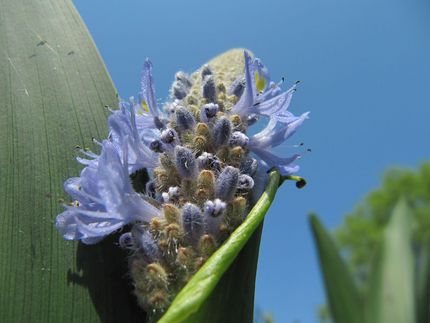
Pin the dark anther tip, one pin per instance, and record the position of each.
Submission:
(301, 183)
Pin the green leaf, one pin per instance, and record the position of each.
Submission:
(392, 297)
(342, 294)
(223, 289)
(54, 87)
(423, 284)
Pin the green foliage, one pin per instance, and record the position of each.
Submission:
(392, 296)
(342, 294)
(362, 229)
(54, 87)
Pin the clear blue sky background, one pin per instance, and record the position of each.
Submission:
(365, 72)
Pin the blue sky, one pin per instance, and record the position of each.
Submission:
(365, 72)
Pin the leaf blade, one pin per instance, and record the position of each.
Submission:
(54, 87)
(391, 295)
(342, 294)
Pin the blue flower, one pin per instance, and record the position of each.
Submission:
(104, 199)
(124, 133)
(202, 177)
(274, 134)
(260, 96)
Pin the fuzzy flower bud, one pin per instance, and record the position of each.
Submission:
(168, 136)
(192, 222)
(146, 244)
(208, 161)
(184, 119)
(209, 89)
(249, 166)
(239, 139)
(208, 111)
(126, 240)
(185, 162)
(222, 131)
(245, 182)
(214, 208)
(226, 184)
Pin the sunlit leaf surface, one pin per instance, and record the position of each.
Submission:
(54, 87)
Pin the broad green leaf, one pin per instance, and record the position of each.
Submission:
(223, 289)
(392, 298)
(54, 87)
(343, 297)
(423, 284)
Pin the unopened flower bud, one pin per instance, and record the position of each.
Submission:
(209, 89)
(156, 274)
(184, 118)
(185, 162)
(226, 184)
(208, 161)
(192, 222)
(183, 78)
(156, 145)
(222, 131)
(239, 139)
(208, 111)
(207, 245)
(214, 208)
(168, 136)
(126, 240)
(171, 213)
(202, 129)
(237, 87)
(249, 166)
(147, 244)
(245, 182)
(206, 71)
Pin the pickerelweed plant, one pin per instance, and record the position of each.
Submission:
(179, 178)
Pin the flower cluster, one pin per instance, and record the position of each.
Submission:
(205, 170)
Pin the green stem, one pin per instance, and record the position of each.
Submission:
(200, 286)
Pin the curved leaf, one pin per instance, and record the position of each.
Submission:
(392, 297)
(213, 296)
(422, 284)
(54, 87)
(342, 294)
